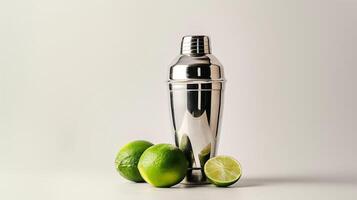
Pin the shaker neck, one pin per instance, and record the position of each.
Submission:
(195, 45)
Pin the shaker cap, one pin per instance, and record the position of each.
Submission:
(195, 45)
(196, 63)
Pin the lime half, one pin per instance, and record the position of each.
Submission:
(223, 170)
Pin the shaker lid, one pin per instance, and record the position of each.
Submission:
(195, 45)
(196, 63)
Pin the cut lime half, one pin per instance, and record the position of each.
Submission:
(223, 170)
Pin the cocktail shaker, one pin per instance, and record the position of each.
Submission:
(196, 84)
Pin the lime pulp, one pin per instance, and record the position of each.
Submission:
(223, 170)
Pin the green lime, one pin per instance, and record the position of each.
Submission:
(163, 165)
(223, 170)
(128, 157)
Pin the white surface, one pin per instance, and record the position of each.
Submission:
(94, 185)
(78, 79)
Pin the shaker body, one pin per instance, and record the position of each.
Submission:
(196, 119)
(196, 85)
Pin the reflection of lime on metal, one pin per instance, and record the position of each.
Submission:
(205, 154)
(223, 170)
(186, 148)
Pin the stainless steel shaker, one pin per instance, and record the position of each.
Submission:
(196, 84)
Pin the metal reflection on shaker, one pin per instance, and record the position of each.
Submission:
(196, 83)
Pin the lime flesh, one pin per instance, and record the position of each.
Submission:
(223, 170)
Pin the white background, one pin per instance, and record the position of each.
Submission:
(78, 79)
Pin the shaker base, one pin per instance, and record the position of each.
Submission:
(195, 176)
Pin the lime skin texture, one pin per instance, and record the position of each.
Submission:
(163, 165)
(127, 159)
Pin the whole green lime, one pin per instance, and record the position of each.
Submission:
(163, 165)
(126, 161)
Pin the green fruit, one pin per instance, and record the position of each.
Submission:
(128, 157)
(223, 170)
(163, 165)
